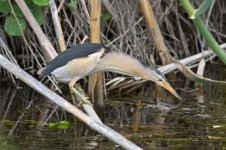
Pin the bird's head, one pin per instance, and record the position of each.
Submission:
(157, 77)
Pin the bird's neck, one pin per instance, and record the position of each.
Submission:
(122, 63)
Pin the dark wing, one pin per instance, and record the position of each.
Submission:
(77, 51)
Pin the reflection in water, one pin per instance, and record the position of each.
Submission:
(198, 122)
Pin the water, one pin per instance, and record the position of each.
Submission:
(198, 122)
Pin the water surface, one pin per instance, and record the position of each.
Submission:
(197, 122)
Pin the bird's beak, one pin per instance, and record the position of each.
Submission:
(167, 86)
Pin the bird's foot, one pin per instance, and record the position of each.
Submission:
(77, 90)
(84, 101)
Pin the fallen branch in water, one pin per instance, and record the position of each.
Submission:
(194, 77)
(39, 87)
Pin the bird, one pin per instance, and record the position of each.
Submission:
(82, 60)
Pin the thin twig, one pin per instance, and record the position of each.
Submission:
(155, 31)
(57, 25)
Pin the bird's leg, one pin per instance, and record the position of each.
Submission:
(77, 93)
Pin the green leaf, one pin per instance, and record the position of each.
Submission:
(41, 2)
(29, 2)
(4, 7)
(12, 28)
(52, 125)
(72, 5)
(63, 124)
(17, 11)
(105, 16)
(37, 12)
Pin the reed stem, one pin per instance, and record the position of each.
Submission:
(212, 43)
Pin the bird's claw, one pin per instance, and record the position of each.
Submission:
(84, 101)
